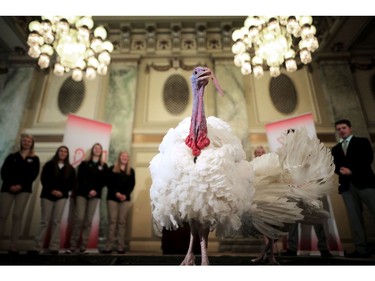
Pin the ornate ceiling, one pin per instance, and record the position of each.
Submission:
(352, 37)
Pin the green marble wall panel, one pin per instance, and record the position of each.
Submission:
(232, 106)
(340, 92)
(119, 107)
(14, 90)
(119, 112)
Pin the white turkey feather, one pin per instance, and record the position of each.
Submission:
(289, 184)
(216, 189)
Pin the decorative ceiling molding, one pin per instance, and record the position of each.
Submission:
(137, 37)
(175, 63)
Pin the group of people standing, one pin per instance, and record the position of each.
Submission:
(60, 180)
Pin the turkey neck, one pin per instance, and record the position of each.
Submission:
(197, 138)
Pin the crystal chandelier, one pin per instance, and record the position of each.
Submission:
(268, 42)
(72, 44)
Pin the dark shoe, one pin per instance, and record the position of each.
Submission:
(54, 252)
(107, 252)
(357, 255)
(120, 251)
(325, 254)
(288, 253)
(33, 252)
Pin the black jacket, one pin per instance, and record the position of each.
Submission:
(54, 178)
(358, 159)
(91, 176)
(17, 170)
(120, 182)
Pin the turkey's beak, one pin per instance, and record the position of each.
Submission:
(204, 79)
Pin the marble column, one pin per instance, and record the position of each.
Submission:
(119, 107)
(232, 107)
(341, 93)
(14, 90)
(119, 112)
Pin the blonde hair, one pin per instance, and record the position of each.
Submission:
(28, 136)
(117, 165)
(90, 154)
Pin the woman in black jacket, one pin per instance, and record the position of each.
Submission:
(120, 184)
(91, 178)
(58, 178)
(19, 171)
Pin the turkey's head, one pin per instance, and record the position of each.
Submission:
(197, 138)
(200, 78)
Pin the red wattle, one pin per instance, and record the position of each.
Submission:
(196, 152)
(203, 142)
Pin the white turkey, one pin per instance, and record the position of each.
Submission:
(200, 174)
(289, 184)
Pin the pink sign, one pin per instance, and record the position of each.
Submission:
(275, 129)
(80, 135)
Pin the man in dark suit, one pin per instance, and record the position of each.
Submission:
(353, 157)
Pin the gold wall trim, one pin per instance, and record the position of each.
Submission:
(262, 137)
(141, 138)
(137, 138)
(327, 137)
(48, 138)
